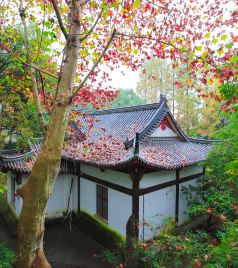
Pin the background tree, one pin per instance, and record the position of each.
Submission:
(126, 97)
(156, 76)
(217, 193)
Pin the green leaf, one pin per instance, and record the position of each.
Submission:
(224, 37)
(84, 52)
(136, 3)
(229, 45)
(136, 51)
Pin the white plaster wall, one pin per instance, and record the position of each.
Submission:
(58, 201)
(18, 199)
(183, 202)
(187, 171)
(119, 210)
(9, 187)
(119, 204)
(59, 198)
(88, 195)
(154, 178)
(113, 176)
(159, 132)
(158, 206)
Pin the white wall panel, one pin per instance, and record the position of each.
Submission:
(113, 176)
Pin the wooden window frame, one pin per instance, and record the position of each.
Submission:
(102, 201)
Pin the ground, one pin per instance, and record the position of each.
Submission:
(66, 246)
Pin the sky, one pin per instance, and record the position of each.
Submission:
(127, 81)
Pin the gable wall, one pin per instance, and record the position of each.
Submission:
(159, 132)
(164, 130)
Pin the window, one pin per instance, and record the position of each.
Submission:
(102, 201)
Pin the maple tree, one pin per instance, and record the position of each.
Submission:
(91, 39)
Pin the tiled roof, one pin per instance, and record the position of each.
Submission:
(109, 141)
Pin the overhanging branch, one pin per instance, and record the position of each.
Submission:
(59, 19)
(166, 43)
(94, 66)
(92, 28)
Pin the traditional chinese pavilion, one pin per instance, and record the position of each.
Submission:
(118, 162)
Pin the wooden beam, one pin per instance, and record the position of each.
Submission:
(177, 197)
(191, 177)
(147, 190)
(168, 184)
(108, 184)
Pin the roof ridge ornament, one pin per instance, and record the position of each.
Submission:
(163, 97)
(137, 145)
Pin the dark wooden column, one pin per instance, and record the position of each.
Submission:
(177, 197)
(136, 175)
(78, 174)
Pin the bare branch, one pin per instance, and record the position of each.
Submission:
(148, 38)
(152, 3)
(94, 66)
(92, 28)
(43, 90)
(59, 19)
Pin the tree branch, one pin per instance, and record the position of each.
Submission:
(168, 44)
(59, 19)
(92, 28)
(152, 3)
(43, 91)
(94, 66)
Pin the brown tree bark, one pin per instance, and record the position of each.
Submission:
(131, 255)
(37, 190)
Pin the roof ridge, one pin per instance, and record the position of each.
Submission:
(157, 116)
(16, 157)
(203, 140)
(147, 106)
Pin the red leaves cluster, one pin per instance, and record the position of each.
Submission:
(96, 98)
(106, 149)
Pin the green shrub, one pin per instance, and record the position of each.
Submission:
(226, 253)
(186, 250)
(6, 257)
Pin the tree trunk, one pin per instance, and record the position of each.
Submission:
(131, 255)
(37, 190)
